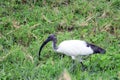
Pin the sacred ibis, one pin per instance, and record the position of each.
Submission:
(73, 48)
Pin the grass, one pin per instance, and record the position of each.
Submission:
(25, 24)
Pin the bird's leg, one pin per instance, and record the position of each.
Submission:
(83, 66)
(62, 56)
(73, 66)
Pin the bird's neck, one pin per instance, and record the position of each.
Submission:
(54, 45)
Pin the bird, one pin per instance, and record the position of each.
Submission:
(73, 48)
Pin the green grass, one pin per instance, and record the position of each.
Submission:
(25, 25)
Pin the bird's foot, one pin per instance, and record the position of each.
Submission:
(83, 67)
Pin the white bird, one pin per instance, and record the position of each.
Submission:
(73, 48)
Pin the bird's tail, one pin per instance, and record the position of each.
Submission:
(97, 49)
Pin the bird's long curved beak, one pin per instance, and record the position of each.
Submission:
(43, 44)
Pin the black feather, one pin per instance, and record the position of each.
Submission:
(96, 49)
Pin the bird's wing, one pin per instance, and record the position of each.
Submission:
(95, 48)
(74, 48)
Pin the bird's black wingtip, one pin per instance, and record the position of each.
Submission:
(96, 49)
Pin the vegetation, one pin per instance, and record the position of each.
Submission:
(25, 24)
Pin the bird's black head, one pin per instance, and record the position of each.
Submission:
(51, 37)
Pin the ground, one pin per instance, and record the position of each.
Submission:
(25, 24)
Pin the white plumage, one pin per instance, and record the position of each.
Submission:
(74, 48)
